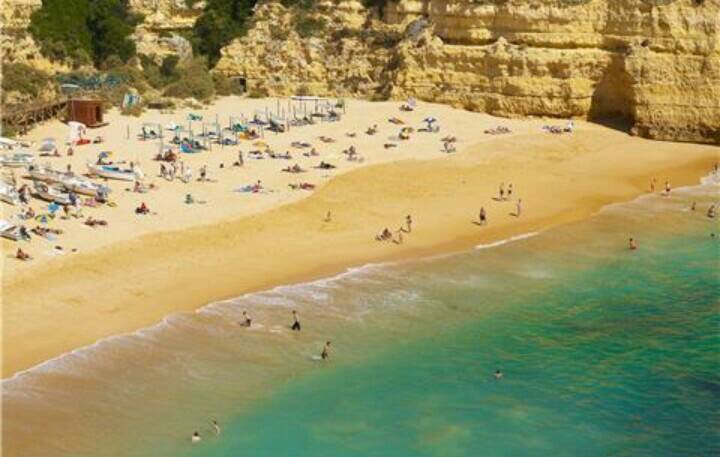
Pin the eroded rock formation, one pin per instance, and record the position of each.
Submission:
(652, 66)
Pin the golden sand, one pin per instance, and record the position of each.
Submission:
(140, 269)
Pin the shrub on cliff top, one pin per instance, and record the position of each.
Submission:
(195, 81)
(24, 79)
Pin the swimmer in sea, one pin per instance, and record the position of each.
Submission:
(498, 375)
(246, 319)
(632, 245)
(195, 437)
(326, 351)
(216, 426)
(296, 322)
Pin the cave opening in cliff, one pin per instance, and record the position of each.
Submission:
(612, 102)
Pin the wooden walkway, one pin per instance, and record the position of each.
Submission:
(23, 117)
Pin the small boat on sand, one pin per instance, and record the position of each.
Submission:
(86, 187)
(9, 194)
(51, 194)
(9, 230)
(45, 173)
(16, 159)
(115, 172)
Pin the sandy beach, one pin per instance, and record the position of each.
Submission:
(146, 267)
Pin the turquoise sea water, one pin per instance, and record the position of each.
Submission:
(605, 352)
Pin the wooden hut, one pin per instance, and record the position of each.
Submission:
(88, 112)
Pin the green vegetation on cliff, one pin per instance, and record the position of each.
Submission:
(84, 31)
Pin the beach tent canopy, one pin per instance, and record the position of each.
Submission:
(77, 130)
(48, 144)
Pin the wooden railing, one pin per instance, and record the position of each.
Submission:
(23, 117)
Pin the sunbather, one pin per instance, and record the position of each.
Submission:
(22, 255)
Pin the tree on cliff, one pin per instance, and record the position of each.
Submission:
(220, 23)
(82, 30)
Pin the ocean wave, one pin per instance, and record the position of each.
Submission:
(495, 244)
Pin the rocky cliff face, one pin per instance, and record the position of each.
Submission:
(157, 36)
(652, 66)
(16, 43)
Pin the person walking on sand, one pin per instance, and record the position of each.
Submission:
(408, 223)
(509, 191)
(502, 191)
(667, 187)
(482, 216)
(652, 185)
(325, 354)
(328, 217)
(296, 322)
(632, 245)
(518, 208)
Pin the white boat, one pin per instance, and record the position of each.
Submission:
(45, 174)
(16, 159)
(51, 194)
(9, 230)
(85, 187)
(114, 172)
(9, 194)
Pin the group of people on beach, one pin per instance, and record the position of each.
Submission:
(387, 235)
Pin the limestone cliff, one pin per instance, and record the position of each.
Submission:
(16, 43)
(157, 36)
(650, 65)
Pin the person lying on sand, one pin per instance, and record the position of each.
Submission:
(92, 222)
(449, 139)
(326, 139)
(351, 134)
(294, 169)
(372, 130)
(313, 153)
(325, 165)
(389, 145)
(396, 121)
(302, 186)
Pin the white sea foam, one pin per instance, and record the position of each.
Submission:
(495, 244)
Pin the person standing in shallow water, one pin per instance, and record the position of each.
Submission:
(632, 245)
(325, 354)
(247, 321)
(296, 322)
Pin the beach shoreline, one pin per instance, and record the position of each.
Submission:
(61, 304)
